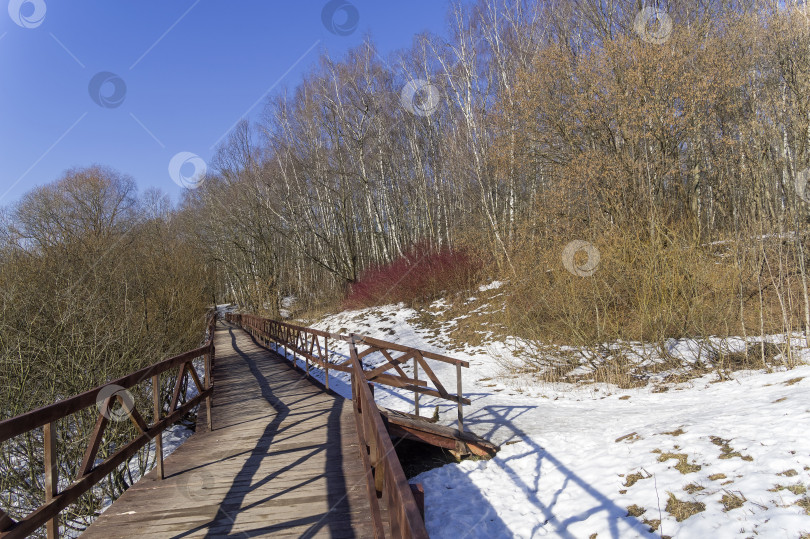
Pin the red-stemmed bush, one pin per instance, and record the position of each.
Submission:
(422, 273)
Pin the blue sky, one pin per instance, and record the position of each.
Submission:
(187, 71)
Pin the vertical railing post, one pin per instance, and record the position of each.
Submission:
(371, 438)
(209, 364)
(295, 358)
(306, 357)
(460, 404)
(326, 360)
(355, 381)
(352, 382)
(415, 392)
(5, 521)
(51, 475)
(156, 409)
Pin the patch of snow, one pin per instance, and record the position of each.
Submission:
(494, 285)
(568, 451)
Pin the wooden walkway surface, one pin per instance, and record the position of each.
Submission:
(282, 460)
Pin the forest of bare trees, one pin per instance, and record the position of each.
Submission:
(669, 138)
(95, 282)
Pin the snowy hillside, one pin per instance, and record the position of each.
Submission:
(703, 458)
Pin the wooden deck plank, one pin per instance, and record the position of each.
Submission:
(282, 460)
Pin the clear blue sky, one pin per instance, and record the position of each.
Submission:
(192, 69)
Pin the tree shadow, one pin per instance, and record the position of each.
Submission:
(285, 403)
(592, 501)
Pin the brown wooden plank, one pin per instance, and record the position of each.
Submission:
(286, 328)
(6, 521)
(193, 372)
(435, 379)
(368, 351)
(391, 363)
(178, 384)
(51, 462)
(95, 439)
(136, 418)
(396, 381)
(156, 411)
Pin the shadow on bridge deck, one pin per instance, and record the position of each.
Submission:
(282, 460)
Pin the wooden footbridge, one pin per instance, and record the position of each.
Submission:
(276, 453)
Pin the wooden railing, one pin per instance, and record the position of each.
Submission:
(385, 476)
(91, 472)
(313, 345)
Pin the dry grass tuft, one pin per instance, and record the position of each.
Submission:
(635, 511)
(794, 381)
(631, 437)
(717, 476)
(652, 524)
(797, 489)
(804, 503)
(682, 510)
(726, 451)
(732, 501)
(789, 473)
(633, 478)
(683, 465)
(677, 432)
(691, 488)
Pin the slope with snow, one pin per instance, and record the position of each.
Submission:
(703, 458)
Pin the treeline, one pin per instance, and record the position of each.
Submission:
(671, 137)
(95, 283)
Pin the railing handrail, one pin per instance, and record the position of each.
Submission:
(90, 473)
(53, 412)
(366, 339)
(388, 477)
(261, 324)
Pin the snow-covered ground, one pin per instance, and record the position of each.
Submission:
(701, 459)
